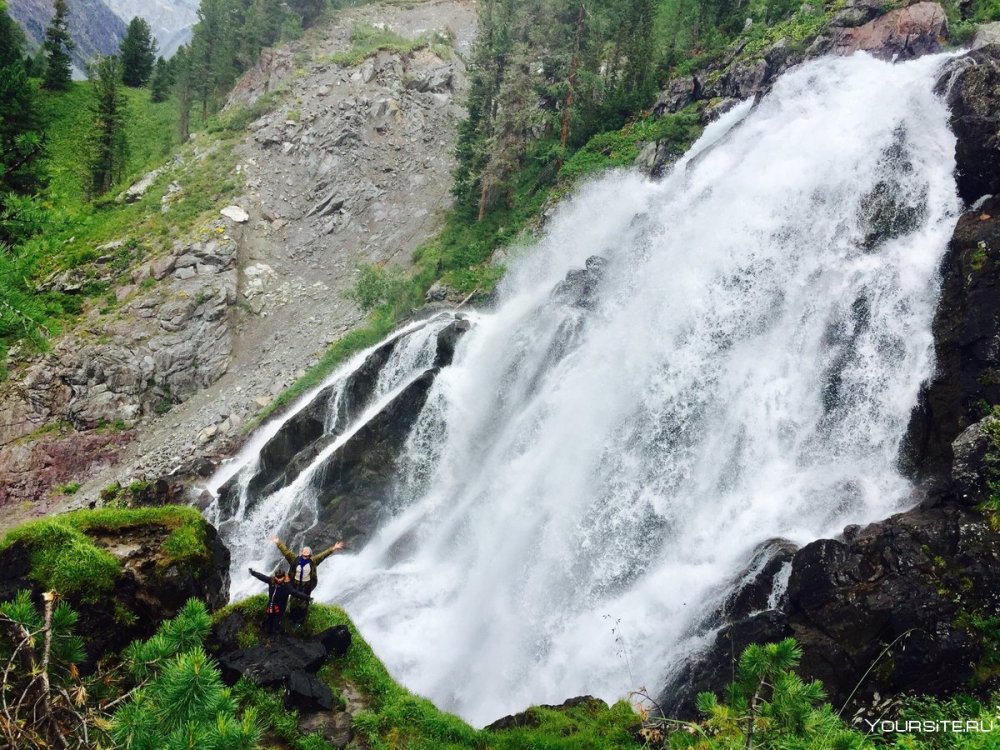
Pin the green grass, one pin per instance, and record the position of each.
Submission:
(396, 718)
(65, 558)
(150, 131)
(366, 40)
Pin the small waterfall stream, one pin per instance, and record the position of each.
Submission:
(588, 469)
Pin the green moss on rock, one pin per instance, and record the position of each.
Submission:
(65, 553)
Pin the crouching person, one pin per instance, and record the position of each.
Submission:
(279, 588)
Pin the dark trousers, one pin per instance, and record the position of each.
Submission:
(273, 622)
(300, 607)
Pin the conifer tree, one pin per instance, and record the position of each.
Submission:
(160, 83)
(21, 140)
(11, 38)
(181, 66)
(57, 45)
(181, 701)
(108, 145)
(138, 53)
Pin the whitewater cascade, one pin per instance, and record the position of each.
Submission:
(582, 483)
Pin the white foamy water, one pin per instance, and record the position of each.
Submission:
(747, 373)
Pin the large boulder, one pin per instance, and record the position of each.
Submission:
(306, 692)
(273, 661)
(971, 85)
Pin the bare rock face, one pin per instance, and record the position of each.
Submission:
(900, 34)
(167, 343)
(966, 343)
(971, 85)
(988, 33)
(30, 470)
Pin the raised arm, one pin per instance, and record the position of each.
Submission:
(317, 559)
(260, 576)
(285, 552)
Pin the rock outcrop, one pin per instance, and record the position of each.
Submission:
(971, 86)
(862, 25)
(900, 34)
(966, 382)
(911, 586)
(152, 585)
(169, 339)
(353, 483)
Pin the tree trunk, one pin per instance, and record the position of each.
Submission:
(571, 78)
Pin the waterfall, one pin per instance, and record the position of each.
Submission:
(582, 483)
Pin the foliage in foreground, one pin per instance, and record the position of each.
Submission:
(166, 692)
(181, 701)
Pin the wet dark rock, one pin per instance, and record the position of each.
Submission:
(966, 344)
(969, 475)
(336, 640)
(306, 692)
(272, 661)
(580, 287)
(301, 438)
(906, 581)
(225, 634)
(755, 587)
(447, 340)
(971, 85)
(356, 482)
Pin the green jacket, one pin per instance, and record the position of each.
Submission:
(303, 578)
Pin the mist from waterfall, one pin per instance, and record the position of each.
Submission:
(583, 485)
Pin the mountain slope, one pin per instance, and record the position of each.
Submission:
(211, 325)
(96, 29)
(171, 20)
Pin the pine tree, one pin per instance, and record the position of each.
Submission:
(185, 703)
(138, 53)
(308, 10)
(21, 141)
(58, 44)
(108, 146)
(11, 38)
(160, 84)
(181, 67)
